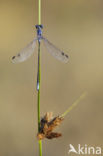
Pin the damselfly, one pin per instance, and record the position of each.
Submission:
(25, 53)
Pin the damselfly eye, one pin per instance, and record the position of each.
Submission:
(41, 26)
(36, 26)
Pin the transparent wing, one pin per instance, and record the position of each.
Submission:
(57, 53)
(25, 53)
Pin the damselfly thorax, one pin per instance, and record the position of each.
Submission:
(39, 32)
(25, 53)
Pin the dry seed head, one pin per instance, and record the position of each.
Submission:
(47, 125)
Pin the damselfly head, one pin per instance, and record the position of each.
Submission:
(39, 31)
(39, 26)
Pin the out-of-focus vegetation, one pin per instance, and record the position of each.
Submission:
(74, 25)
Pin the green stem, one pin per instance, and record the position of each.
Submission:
(38, 107)
(38, 79)
(74, 104)
(39, 12)
(38, 86)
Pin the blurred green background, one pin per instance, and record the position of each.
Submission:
(77, 28)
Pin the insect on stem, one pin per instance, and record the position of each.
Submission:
(38, 69)
(38, 103)
(38, 84)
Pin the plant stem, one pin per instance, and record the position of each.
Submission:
(39, 12)
(74, 104)
(38, 85)
(38, 106)
(38, 78)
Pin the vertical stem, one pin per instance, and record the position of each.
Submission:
(39, 12)
(38, 89)
(38, 78)
(38, 86)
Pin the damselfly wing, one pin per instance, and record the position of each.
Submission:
(29, 49)
(54, 51)
(25, 53)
